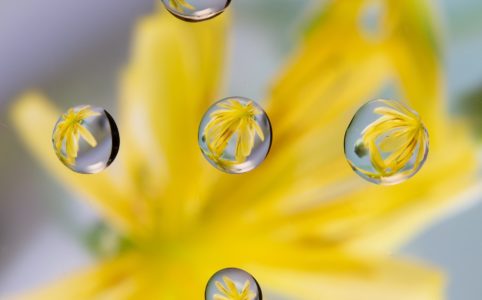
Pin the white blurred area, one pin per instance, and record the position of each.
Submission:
(74, 51)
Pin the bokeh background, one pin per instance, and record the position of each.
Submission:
(75, 51)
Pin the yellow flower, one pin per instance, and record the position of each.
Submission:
(230, 291)
(303, 223)
(400, 132)
(69, 130)
(180, 5)
(233, 119)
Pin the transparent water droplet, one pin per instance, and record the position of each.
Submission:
(386, 142)
(196, 10)
(235, 135)
(232, 283)
(86, 139)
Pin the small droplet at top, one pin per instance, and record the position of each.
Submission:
(235, 135)
(196, 10)
(86, 139)
(233, 284)
(386, 142)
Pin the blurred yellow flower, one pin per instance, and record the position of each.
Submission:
(302, 223)
(230, 291)
(69, 130)
(233, 118)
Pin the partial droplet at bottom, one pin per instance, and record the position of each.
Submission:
(386, 142)
(235, 135)
(196, 10)
(233, 284)
(86, 139)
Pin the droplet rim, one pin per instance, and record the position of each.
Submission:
(258, 286)
(115, 136)
(392, 180)
(194, 19)
(228, 171)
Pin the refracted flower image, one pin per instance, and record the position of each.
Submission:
(386, 142)
(86, 139)
(68, 131)
(235, 135)
(231, 292)
(162, 219)
(233, 284)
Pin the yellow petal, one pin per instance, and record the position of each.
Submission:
(60, 135)
(415, 54)
(87, 136)
(258, 130)
(177, 68)
(246, 293)
(181, 4)
(72, 144)
(230, 285)
(221, 287)
(185, 4)
(395, 140)
(245, 141)
(376, 280)
(375, 157)
(86, 112)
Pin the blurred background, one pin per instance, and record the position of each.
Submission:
(75, 51)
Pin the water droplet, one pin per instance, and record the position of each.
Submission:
(196, 10)
(386, 142)
(86, 139)
(232, 283)
(235, 135)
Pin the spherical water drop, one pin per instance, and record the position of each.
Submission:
(232, 283)
(196, 10)
(386, 142)
(235, 135)
(86, 139)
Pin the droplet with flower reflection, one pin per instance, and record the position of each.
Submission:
(86, 139)
(386, 142)
(196, 10)
(235, 135)
(233, 284)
